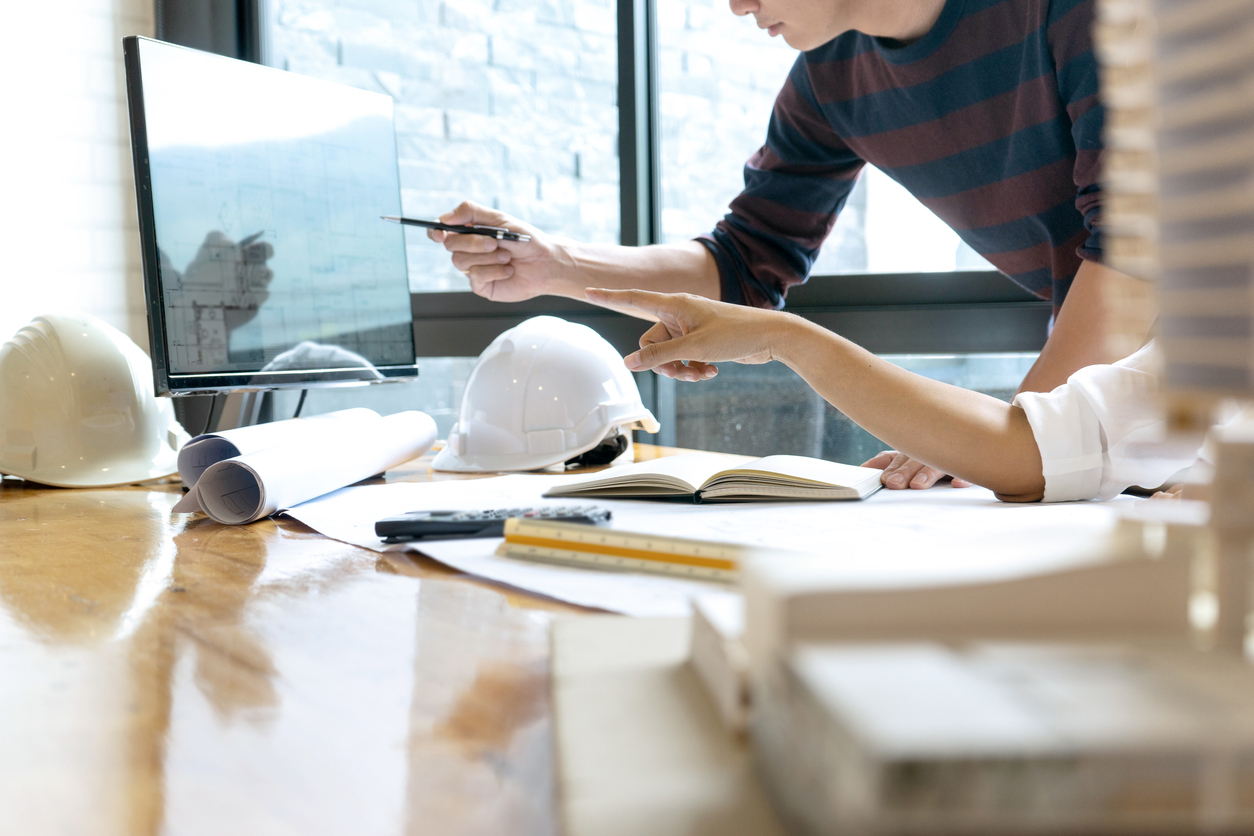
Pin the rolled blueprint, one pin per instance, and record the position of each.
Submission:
(255, 485)
(211, 448)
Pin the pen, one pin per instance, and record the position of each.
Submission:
(498, 232)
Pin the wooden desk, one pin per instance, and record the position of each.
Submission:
(163, 674)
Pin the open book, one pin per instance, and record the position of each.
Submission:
(705, 477)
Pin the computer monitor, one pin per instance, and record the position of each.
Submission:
(266, 263)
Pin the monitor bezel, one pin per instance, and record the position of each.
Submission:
(166, 382)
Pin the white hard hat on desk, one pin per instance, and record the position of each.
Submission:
(77, 407)
(544, 392)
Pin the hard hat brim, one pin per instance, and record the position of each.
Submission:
(449, 462)
(162, 466)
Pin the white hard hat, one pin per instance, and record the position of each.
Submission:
(77, 408)
(544, 392)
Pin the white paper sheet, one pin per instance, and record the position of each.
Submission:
(210, 448)
(960, 530)
(254, 485)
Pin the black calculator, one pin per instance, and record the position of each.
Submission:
(421, 525)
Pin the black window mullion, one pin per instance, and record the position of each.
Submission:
(226, 27)
(640, 189)
(250, 30)
(638, 128)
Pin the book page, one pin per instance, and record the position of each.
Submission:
(801, 469)
(674, 474)
(758, 489)
(944, 534)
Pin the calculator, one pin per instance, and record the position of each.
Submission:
(421, 525)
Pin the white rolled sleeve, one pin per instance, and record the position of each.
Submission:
(1101, 431)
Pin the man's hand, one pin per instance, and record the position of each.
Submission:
(901, 472)
(693, 333)
(232, 269)
(504, 271)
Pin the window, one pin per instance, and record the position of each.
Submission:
(516, 104)
(718, 76)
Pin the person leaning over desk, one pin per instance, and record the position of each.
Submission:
(986, 110)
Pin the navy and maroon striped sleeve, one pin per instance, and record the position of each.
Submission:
(1069, 34)
(794, 187)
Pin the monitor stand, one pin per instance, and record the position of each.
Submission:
(203, 413)
(250, 408)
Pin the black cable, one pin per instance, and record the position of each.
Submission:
(213, 407)
(300, 403)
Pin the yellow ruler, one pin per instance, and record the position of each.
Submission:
(603, 548)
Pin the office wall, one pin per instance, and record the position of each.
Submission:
(68, 233)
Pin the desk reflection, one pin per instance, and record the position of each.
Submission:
(164, 674)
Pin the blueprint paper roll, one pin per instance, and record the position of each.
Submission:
(210, 448)
(255, 485)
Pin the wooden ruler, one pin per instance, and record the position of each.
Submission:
(603, 548)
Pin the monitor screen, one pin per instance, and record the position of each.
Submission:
(266, 262)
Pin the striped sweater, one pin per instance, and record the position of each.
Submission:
(992, 120)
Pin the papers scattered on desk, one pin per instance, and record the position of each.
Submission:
(942, 533)
(349, 515)
(239, 476)
(210, 448)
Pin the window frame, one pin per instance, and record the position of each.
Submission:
(234, 28)
(964, 312)
(958, 312)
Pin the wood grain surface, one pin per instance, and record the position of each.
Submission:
(163, 674)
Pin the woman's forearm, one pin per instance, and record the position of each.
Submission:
(685, 267)
(964, 433)
(968, 434)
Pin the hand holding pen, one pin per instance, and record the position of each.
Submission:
(500, 233)
(518, 265)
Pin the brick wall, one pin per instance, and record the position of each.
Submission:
(510, 103)
(68, 229)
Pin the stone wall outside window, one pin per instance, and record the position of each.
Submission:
(510, 103)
